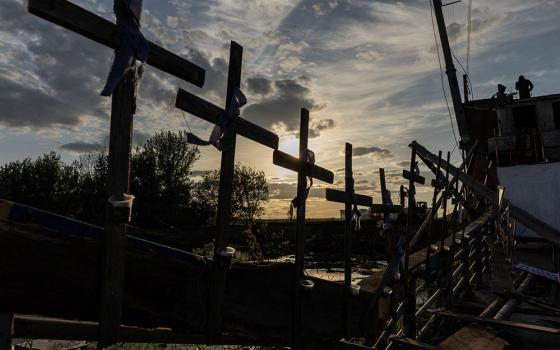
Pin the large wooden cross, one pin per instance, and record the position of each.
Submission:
(386, 209)
(349, 198)
(78, 20)
(438, 186)
(409, 318)
(211, 113)
(305, 168)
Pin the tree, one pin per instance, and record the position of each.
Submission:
(46, 182)
(250, 192)
(92, 169)
(161, 179)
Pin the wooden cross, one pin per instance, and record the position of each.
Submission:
(305, 168)
(386, 210)
(445, 195)
(438, 186)
(409, 318)
(211, 113)
(78, 20)
(384, 207)
(349, 198)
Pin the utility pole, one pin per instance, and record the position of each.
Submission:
(451, 75)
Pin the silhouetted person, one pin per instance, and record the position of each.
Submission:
(501, 92)
(524, 86)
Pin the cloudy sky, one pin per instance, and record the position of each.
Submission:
(367, 70)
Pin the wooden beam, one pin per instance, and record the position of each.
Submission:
(218, 277)
(114, 242)
(381, 208)
(96, 28)
(297, 322)
(416, 178)
(343, 197)
(495, 322)
(348, 230)
(295, 164)
(409, 318)
(540, 227)
(205, 110)
(413, 344)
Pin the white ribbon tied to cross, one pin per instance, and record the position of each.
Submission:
(225, 119)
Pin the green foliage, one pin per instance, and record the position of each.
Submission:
(250, 193)
(161, 182)
(45, 182)
(253, 248)
(166, 195)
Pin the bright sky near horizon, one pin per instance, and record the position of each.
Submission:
(367, 70)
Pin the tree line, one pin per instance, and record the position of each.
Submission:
(161, 179)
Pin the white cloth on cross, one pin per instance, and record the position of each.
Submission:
(225, 119)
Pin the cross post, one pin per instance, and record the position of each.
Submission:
(305, 168)
(445, 194)
(91, 26)
(211, 113)
(386, 209)
(349, 198)
(437, 188)
(409, 317)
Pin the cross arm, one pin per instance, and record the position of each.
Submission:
(96, 28)
(382, 208)
(210, 112)
(416, 178)
(295, 164)
(345, 197)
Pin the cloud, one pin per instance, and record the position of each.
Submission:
(280, 109)
(259, 85)
(284, 190)
(48, 77)
(81, 147)
(373, 150)
(320, 125)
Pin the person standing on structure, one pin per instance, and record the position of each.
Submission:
(524, 86)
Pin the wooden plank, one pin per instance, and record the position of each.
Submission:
(298, 342)
(208, 111)
(381, 208)
(343, 197)
(444, 204)
(474, 337)
(415, 177)
(292, 163)
(409, 319)
(412, 343)
(96, 28)
(541, 228)
(218, 278)
(114, 243)
(501, 323)
(433, 213)
(348, 230)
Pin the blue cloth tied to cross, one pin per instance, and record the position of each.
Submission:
(132, 43)
(224, 122)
